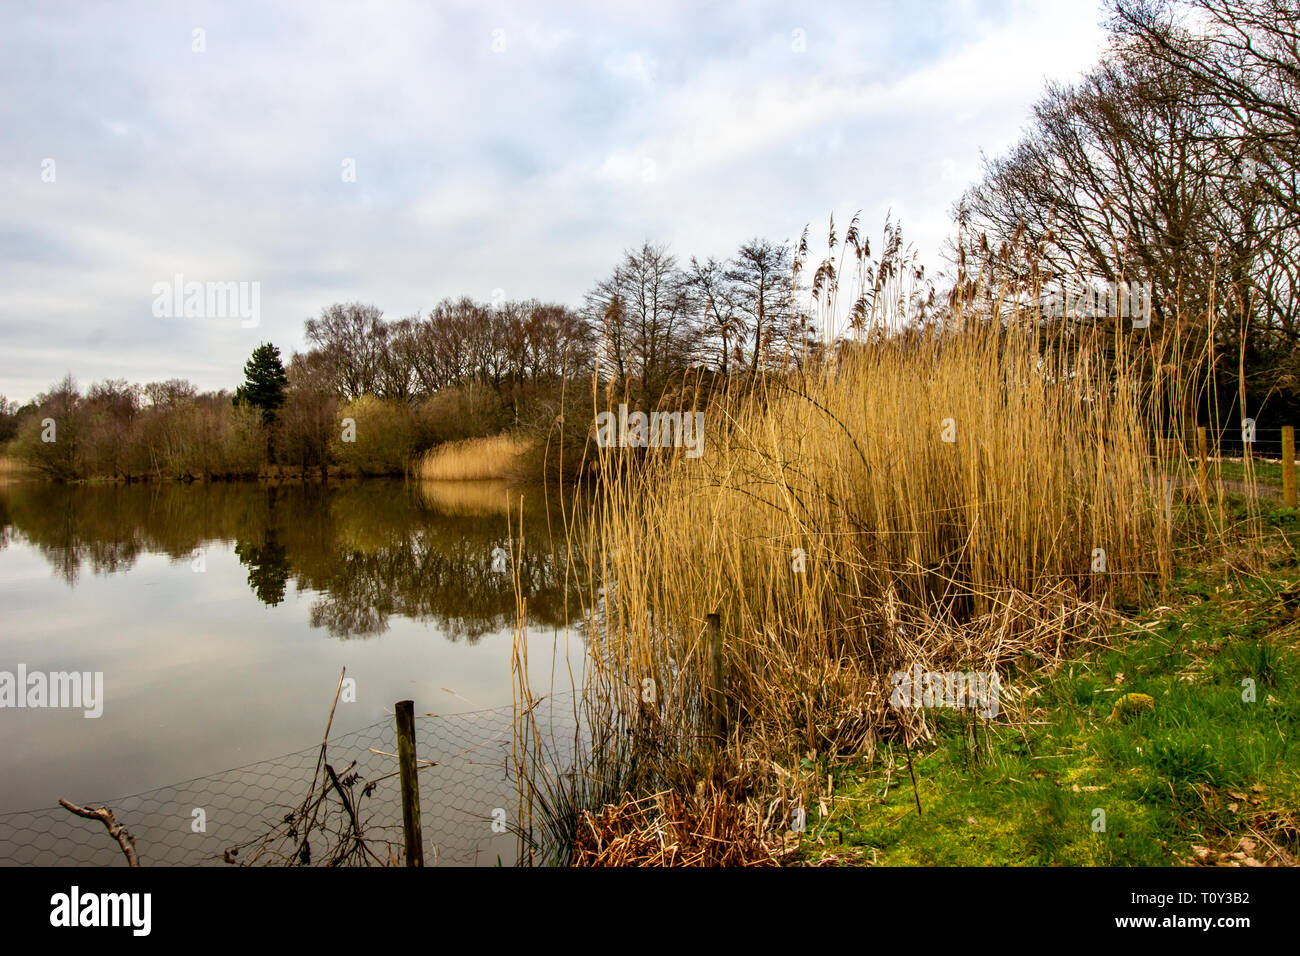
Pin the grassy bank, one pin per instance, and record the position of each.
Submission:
(1203, 777)
(267, 474)
(1264, 471)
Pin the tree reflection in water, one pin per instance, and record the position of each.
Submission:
(368, 550)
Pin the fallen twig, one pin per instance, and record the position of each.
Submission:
(118, 832)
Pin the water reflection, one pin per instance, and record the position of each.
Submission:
(368, 551)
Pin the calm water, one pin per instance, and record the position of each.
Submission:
(220, 616)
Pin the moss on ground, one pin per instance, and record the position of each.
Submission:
(1206, 775)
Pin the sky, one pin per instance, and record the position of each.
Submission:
(396, 154)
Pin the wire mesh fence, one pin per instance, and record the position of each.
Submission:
(468, 800)
(1230, 441)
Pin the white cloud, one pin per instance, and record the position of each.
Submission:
(631, 65)
(529, 169)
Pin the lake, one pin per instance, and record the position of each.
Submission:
(221, 615)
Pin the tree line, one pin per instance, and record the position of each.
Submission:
(1172, 162)
(370, 393)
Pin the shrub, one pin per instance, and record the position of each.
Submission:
(305, 428)
(50, 441)
(461, 412)
(374, 436)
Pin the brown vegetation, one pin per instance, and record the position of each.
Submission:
(667, 830)
(477, 459)
(933, 495)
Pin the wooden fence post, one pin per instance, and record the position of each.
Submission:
(717, 700)
(405, 712)
(1288, 466)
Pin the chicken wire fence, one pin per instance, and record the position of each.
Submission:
(468, 799)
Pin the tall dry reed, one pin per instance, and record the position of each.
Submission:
(945, 496)
(932, 498)
(474, 459)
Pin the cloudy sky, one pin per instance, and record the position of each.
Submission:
(400, 153)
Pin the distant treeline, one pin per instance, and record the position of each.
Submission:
(1175, 162)
(370, 394)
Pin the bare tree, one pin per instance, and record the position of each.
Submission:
(350, 337)
(713, 301)
(642, 317)
(761, 273)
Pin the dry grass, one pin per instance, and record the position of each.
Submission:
(475, 459)
(937, 498)
(667, 830)
(842, 538)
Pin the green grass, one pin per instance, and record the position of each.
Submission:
(1266, 472)
(1203, 769)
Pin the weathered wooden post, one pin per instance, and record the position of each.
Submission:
(1203, 459)
(717, 700)
(1288, 466)
(405, 711)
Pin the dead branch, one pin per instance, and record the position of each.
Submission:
(118, 832)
